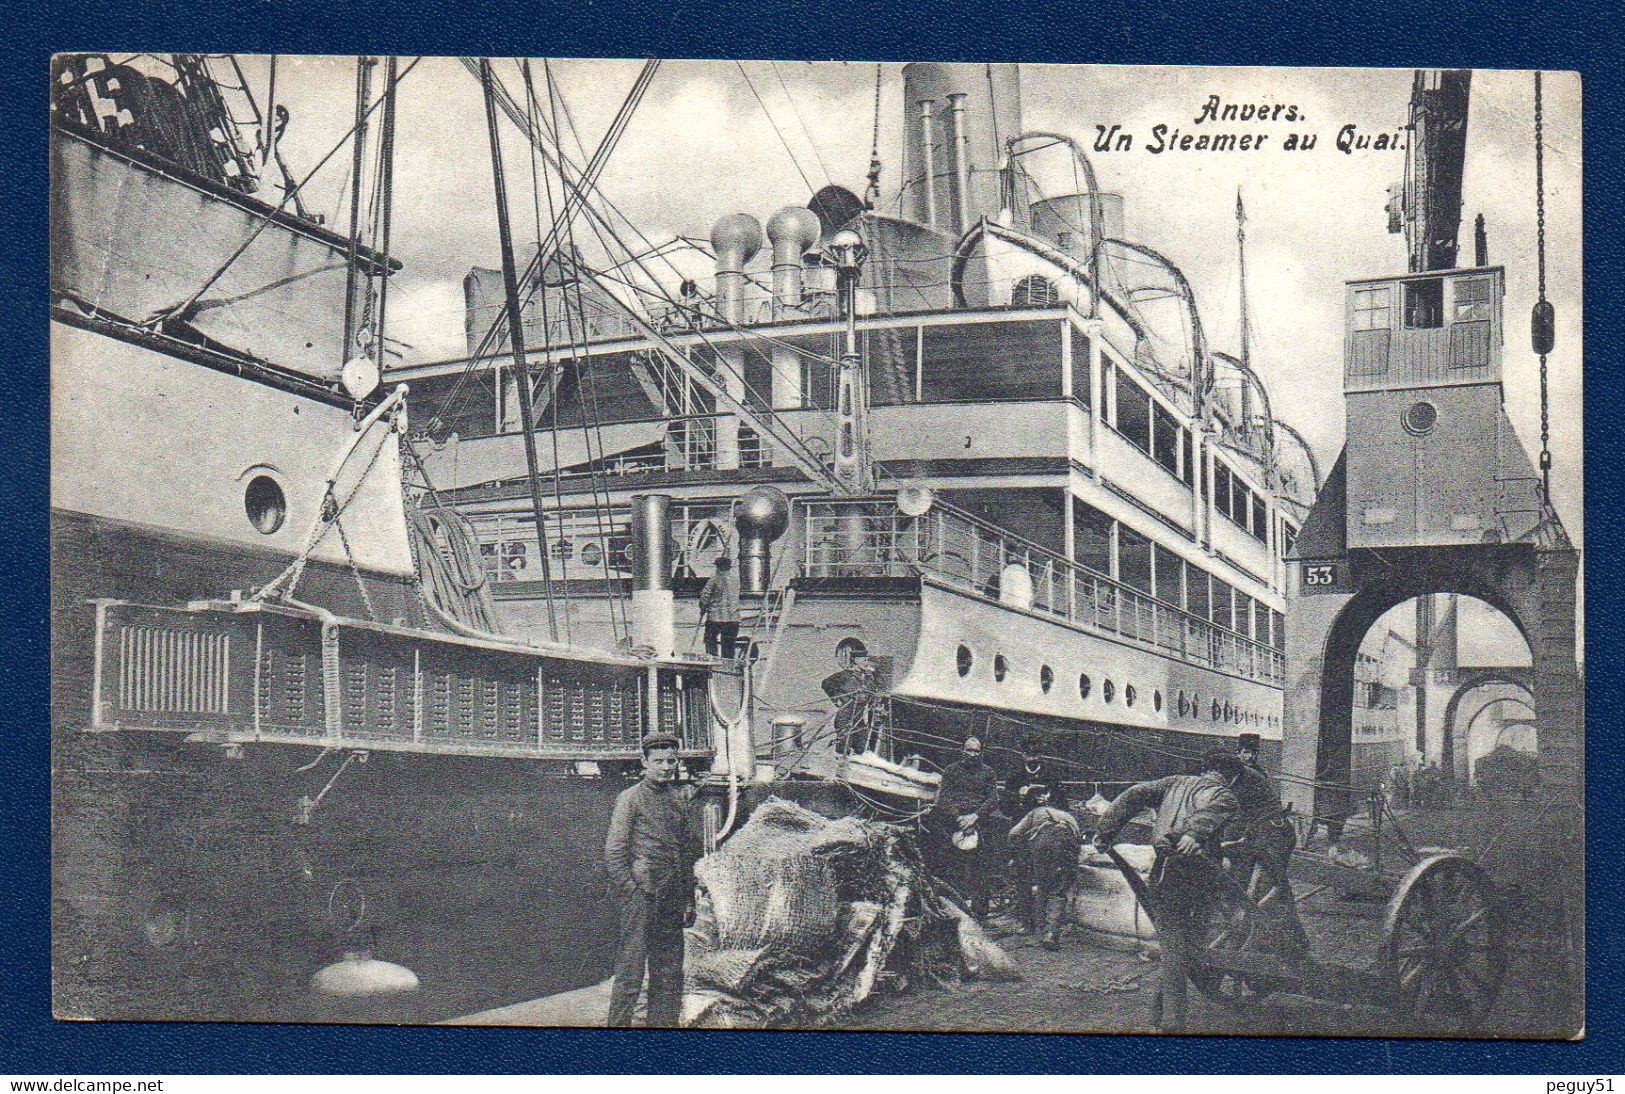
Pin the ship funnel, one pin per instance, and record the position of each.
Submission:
(760, 518)
(735, 239)
(653, 610)
(957, 118)
(793, 231)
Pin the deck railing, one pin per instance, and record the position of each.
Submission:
(875, 539)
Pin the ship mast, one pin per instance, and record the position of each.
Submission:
(1246, 322)
(516, 341)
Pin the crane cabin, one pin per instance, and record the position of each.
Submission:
(1432, 459)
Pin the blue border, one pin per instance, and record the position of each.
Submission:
(1551, 35)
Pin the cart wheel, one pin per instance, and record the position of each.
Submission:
(1234, 928)
(1445, 940)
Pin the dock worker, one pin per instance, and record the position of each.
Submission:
(650, 851)
(1048, 840)
(962, 818)
(719, 608)
(1192, 812)
(1264, 856)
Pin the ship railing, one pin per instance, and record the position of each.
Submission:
(873, 538)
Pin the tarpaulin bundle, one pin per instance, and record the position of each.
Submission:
(799, 918)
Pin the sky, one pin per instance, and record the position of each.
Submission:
(707, 141)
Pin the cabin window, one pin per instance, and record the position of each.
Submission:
(1133, 412)
(991, 361)
(1188, 465)
(1223, 612)
(1199, 593)
(891, 353)
(1133, 559)
(1424, 304)
(1046, 679)
(1221, 490)
(1277, 630)
(1167, 575)
(1001, 668)
(1084, 685)
(1473, 301)
(1260, 525)
(964, 660)
(1289, 537)
(1091, 537)
(1035, 291)
(1166, 439)
(1372, 309)
(1108, 690)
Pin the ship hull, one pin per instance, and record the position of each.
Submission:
(186, 887)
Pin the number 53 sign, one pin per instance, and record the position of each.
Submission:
(1323, 577)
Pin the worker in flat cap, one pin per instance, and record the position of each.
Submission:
(1264, 855)
(651, 849)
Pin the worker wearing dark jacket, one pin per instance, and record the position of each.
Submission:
(961, 819)
(1264, 857)
(651, 849)
(1192, 812)
(1046, 840)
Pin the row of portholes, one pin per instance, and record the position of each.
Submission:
(965, 660)
(1190, 706)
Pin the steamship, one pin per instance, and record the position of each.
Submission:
(949, 439)
(285, 732)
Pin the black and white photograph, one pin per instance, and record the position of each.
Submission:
(743, 544)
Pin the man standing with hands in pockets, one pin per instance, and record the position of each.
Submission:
(651, 849)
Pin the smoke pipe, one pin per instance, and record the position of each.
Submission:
(1481, 243)
(928, 164)
(654, 620)
(959, 162)
(735, 239)
(792, 231)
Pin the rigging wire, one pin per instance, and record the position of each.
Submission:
(771, 121)
(553, 369)
(585, 380)
(268, 217)
(802, 122)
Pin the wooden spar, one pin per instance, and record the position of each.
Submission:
(516, 342)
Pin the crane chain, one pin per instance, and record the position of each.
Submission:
(1540, 254)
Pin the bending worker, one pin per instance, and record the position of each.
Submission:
(1192, 811)
(651, 849)
(1048, 839)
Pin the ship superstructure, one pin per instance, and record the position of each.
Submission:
(1078, 522)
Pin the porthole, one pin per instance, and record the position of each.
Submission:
(1107, 690)
(1229, 713)
(965, 660)
(591, 554)
(1217, 710)
(1084, 685)
(1129, 695)
(1001, 668)
(1046, 678)
(1156, 701)
(265, 504)
(1184, 704)
(1420, 418)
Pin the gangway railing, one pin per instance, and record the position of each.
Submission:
(873, 538)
